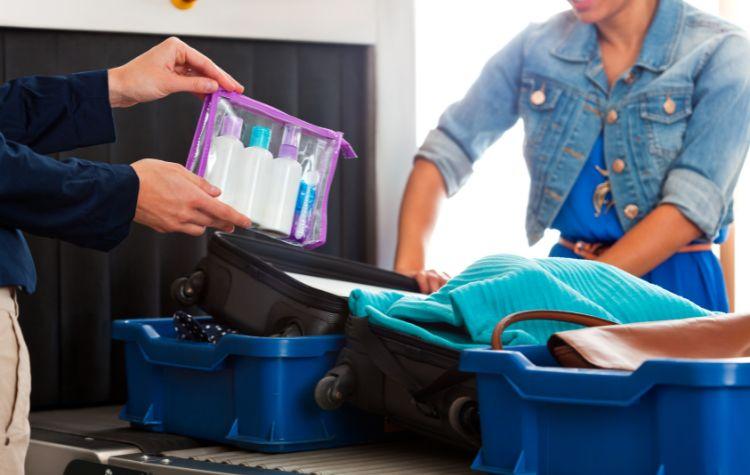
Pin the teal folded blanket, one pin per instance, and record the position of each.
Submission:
(465, 311)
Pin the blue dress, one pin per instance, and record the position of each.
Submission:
(696, 276)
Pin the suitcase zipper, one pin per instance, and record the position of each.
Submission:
(412, 341)
(274, 277)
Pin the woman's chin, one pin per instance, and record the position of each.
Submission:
(587, 17)
(593, 11)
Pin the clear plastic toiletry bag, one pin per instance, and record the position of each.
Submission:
(270, 166)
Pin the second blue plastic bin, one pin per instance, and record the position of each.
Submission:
(669, 417)
(251, 392)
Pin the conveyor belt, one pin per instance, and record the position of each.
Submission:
(95, 439)
(414, 458)
(101, 423)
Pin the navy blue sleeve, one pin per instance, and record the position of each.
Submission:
(86, 203)
(89, 204)
(57, 113)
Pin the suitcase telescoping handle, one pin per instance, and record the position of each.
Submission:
(555, 315)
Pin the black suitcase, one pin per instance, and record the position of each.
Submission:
(261, 286)
(414, 384)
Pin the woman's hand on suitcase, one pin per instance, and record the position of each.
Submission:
(172, 199)
(429, 280)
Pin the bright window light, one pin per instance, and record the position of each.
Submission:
(453, 41)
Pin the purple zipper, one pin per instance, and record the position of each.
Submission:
(207, 104)
(281, 116)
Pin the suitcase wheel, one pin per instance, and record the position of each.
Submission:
(334, 388)
(325, 394)
(290, 331)
(187, 290)
(463, 417)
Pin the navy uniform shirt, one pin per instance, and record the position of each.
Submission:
(82, 202)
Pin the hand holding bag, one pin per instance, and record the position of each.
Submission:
(607, 345)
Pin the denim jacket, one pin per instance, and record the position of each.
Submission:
(676, 125)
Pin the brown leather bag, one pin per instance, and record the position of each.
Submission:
(608, 345)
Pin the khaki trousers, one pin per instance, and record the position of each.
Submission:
(15, 387)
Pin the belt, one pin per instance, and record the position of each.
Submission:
(592, 250)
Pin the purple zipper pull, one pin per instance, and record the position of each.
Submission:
(347, 151)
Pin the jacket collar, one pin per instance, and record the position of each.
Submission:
(657, 53)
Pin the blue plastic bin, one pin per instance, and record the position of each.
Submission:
(670, 417)
(251, 392)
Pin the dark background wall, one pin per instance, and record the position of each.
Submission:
(67, 321)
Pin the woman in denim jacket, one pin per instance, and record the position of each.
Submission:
(636, 118)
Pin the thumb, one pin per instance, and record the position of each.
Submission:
(194, 84)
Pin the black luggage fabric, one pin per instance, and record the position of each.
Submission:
(414, 384)
(243, 283)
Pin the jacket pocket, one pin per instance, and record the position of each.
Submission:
(544, 107)
(538, 106)
(665, 117)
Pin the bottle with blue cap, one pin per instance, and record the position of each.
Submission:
(245, 184)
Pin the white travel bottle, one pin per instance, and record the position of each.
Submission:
(222, 150)
(282, 180)
(247, 166)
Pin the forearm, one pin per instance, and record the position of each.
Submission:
(86, 203)
(661, 234)
(425, 191)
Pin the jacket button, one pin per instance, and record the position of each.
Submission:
(669, 106)
(630, 78)
(611, 116)
(618, 165)
(631, 211)
(538, 97)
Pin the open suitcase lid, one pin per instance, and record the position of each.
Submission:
(328, 273)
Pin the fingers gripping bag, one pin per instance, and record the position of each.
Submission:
(271, 166)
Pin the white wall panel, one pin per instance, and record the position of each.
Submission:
(395, 117)
(337, 21)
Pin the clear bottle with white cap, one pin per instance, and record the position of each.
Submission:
(282, 181)
(222, 150)
(245, 185)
